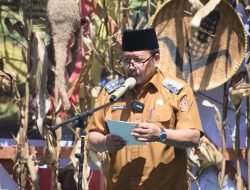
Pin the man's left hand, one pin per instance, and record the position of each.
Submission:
(146, 132)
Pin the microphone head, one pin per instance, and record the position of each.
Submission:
(127, 85)
(131, 82)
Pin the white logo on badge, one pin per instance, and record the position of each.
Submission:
(160, 102)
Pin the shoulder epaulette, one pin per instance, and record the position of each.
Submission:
(112, 85)
(172, 85)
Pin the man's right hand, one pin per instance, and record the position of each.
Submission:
(113, 143)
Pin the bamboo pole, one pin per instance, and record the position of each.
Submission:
(221, 176)
(248, 126)
(237, 149)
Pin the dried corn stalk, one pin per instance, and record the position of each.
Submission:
(25, 167)
(236, 91)
(52, 155)
(43, 101)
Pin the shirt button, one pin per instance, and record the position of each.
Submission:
(137, 117)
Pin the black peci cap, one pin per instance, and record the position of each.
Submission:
(137, 40)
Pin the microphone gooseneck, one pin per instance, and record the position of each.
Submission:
(128, 85)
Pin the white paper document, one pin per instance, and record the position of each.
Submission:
(124, 129)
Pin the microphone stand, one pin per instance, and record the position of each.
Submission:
(78, 119)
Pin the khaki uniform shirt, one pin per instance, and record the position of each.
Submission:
(155, 166)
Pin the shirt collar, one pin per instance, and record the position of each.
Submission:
(154, 82)
(156, 79)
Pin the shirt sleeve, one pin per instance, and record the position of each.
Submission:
(97, 120)
(188, 113)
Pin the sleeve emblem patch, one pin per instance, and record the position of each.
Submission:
(183, 104)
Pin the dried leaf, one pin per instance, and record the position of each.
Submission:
(218, 118)
(33, 171)
(12, 23)
(247, 57)
(203, 12)
(235, 98)
(238, 79)
(217, 115)
(192, 156)
(43, 101)
(95, 91)
(1, 63)
(8, 24)
(235, 89)
(18, 26)
(51, 151)
(222, 181)
(206, 155)
(207, 103)
(195, 5)
(6, 84)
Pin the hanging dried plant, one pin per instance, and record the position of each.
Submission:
(63, 16)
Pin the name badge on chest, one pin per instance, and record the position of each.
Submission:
(118, 107)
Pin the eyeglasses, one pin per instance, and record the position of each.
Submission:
(125, 61)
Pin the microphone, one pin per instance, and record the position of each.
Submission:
(128, 84)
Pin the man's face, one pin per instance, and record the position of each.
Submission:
(139, 64)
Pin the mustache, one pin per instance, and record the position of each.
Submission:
(133, 75)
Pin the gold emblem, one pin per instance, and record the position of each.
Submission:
(160, 102)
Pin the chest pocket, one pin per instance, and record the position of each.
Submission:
(160, 116)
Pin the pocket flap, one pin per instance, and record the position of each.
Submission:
(160, 114)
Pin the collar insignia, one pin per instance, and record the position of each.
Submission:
(172, 85)
(112, 85)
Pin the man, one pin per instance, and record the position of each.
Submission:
(168, 120)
